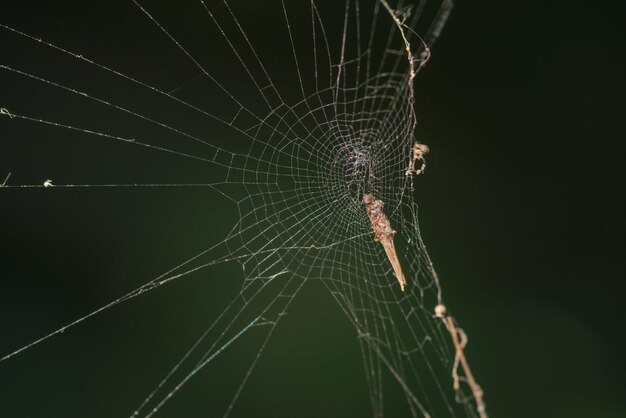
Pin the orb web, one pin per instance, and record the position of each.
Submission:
(332, 121)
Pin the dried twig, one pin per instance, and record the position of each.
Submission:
(384, 233)
(459, 339)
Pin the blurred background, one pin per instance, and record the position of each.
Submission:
(521, 207)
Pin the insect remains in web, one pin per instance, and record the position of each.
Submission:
(418, 154)
(384, 234)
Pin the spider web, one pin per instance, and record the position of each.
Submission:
(292, 145)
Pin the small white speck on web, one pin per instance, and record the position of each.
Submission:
(4, 183)
(48, 183)
(5, 111)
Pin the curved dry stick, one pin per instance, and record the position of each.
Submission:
(459, 339)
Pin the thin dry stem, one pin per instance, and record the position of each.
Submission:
(459, 339)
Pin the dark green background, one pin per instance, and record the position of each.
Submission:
(521, 209)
